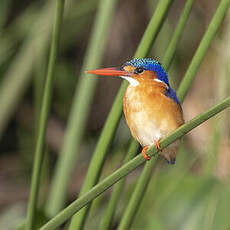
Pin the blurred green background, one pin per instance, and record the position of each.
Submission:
(193, 194)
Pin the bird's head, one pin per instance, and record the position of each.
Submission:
(137, 71)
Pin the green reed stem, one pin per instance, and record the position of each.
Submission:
(144, 179)
(168, 57)
(45, 108)
(81, 104)
(132, 165)
(112, 121)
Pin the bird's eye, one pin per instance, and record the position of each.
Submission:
(138, 70)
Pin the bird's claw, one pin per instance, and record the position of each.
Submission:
(144, 150)
(157, 144)
(145, 154)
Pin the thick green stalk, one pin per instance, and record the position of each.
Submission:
(144, 179)
(134, 145)
(132, 165)
(203, 47)
(80, 109)
(109, 129)
(38, 87)
(45, 108)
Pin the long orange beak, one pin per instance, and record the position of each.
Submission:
(115, 71)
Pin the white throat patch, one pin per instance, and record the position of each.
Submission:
(132, 81)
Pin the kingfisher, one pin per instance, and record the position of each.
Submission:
(151, 107)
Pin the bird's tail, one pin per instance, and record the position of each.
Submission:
(170, 152)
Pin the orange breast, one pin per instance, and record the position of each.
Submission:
(149, 113)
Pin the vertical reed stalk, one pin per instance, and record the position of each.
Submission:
(45, 108)
(80, 108)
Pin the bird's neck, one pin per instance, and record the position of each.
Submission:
(149, 87)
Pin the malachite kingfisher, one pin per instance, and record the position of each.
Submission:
(151, 107)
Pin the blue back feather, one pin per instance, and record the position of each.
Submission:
(172, 94)
(155, 66)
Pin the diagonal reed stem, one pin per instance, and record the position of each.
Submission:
(112, 121)
(144, 179)
(45, 108)
(134, 145)
(132, 165)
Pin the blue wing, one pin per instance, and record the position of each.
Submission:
(172, 94)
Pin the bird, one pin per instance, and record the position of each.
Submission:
(151, 107)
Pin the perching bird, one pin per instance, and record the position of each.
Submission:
(150, 105)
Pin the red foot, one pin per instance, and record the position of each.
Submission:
(144, 153)
(157, 144)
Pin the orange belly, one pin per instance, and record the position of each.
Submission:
(150, 114)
